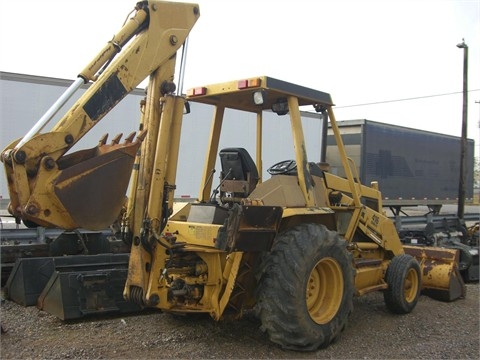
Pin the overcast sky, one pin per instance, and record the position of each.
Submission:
(358, 51)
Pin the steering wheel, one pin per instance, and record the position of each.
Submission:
(282, 167)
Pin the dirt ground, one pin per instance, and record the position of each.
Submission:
(434, 330)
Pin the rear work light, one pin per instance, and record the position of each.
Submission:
(259, 97)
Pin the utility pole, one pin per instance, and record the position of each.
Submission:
(463, 150)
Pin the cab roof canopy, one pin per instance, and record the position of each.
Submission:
(257, 94)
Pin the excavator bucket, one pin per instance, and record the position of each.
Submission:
(85, 189)
(93, 183)
(441, 278)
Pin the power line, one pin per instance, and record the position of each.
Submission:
(405, 99)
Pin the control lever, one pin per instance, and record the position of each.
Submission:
(215, 192)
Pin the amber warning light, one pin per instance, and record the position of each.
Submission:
(249, 83)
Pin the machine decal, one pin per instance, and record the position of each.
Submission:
(109, 94)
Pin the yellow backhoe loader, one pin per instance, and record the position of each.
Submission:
(295, 248)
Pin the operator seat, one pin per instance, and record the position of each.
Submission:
(239, 175)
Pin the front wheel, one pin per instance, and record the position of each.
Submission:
(306, 288)
(404, 284)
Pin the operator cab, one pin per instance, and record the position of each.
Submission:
(240, 177)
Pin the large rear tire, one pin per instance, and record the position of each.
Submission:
(306, 288)
(404, 284)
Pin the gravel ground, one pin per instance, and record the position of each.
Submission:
(434, 330)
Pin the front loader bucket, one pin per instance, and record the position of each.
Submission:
(71, 287)
(73, 295)
(27, 279)
(441, 278)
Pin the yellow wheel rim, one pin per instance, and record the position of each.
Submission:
(324, 290)
(410, 288)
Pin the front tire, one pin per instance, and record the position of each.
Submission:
(404, 284)
(306, 288)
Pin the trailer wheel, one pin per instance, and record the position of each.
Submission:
(305, 288)
(404, 284)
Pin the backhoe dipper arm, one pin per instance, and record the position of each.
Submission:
(48, 187)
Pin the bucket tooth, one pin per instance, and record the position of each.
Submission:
(116, 139)
(141, 135)
(103, 140)
(130, 138)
